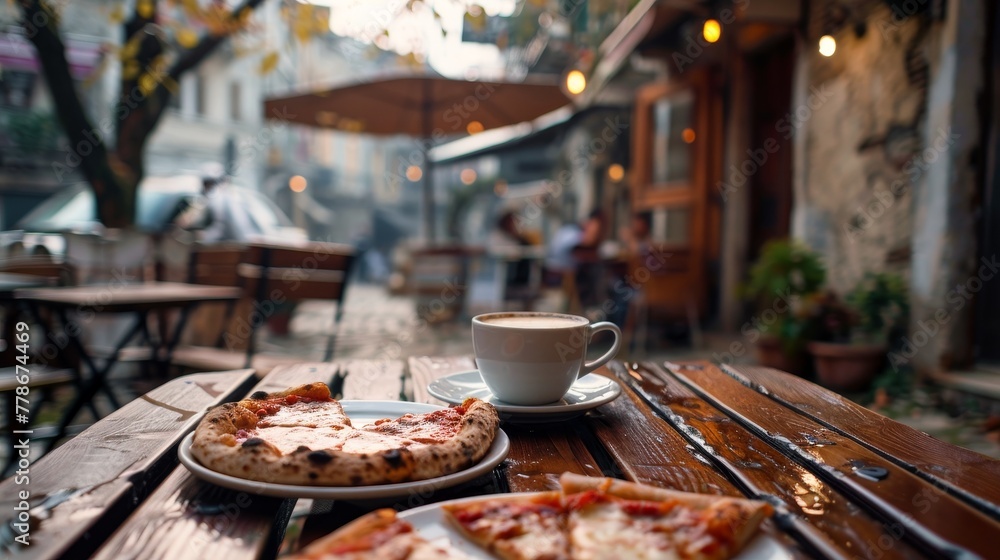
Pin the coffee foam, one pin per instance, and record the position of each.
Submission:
(533, 321)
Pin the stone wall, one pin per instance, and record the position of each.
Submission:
(861, 120)
(885, 176)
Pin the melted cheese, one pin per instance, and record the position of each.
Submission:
(289, 438)
(604, 531)
(316, 414)
(432, 427)
(360, 441)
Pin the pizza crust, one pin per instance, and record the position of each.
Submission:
(347, 456)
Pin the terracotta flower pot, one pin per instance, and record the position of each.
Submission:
(771, 353)
(847, 367)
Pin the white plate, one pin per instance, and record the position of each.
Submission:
(430, 522)
(590, 391)
(360, 413)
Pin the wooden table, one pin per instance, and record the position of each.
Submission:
(845, 482)
(137, 300)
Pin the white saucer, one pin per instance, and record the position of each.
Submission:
(590, 391)
(360, 413)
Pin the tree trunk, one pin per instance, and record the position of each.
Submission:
(148, 81)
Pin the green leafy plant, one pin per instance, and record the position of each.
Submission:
(785, 268)
(881, 302)
(782, 276)
(873, 312)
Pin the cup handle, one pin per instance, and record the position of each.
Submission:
(594, 328)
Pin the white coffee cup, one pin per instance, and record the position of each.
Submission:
(533, 358)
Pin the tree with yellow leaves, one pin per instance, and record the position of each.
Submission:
(156, 51)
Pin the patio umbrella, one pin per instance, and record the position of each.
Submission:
(426, 107)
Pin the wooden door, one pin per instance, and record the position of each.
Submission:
(675, 158)
(770, 151)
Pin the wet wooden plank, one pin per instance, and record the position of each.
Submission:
(425, 369)
(815, 514)
(187, 518)
(375, 380)
(914, 509)
(285, 376)
(965, 473)
(361, 379)
(538, 453)
(649, 451)
(83, 490)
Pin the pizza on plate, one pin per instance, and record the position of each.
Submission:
(302, 436)
(380, 535)
(591, 518)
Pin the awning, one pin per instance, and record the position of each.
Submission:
(17, 53)
(492, 142)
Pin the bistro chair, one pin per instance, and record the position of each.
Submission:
(269, 276)
(663, 288)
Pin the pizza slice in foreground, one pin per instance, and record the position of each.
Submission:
(609, 518)
(514, 527)
(379, 535)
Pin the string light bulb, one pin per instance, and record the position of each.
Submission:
(711, 30)
(576, 82)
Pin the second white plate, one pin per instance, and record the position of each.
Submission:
(590, 391)
(430, 522)
(360, 413)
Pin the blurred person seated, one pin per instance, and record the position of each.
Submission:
(636, 247)
(574, 256)
(507, 239)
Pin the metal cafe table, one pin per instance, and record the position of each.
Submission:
(137, 300)
(845, 482)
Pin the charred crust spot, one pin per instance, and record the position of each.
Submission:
(320, 457)
(253, 442)
(259, 395)
(356, 479)
(313, 475)
(307, 387)
(393, 457)
(301, 449)
(213, 420)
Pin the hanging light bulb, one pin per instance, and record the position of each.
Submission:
(711, 31)
(827, 45)
(576, 82)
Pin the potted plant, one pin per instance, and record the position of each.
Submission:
(854, 334)
(785, 272)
